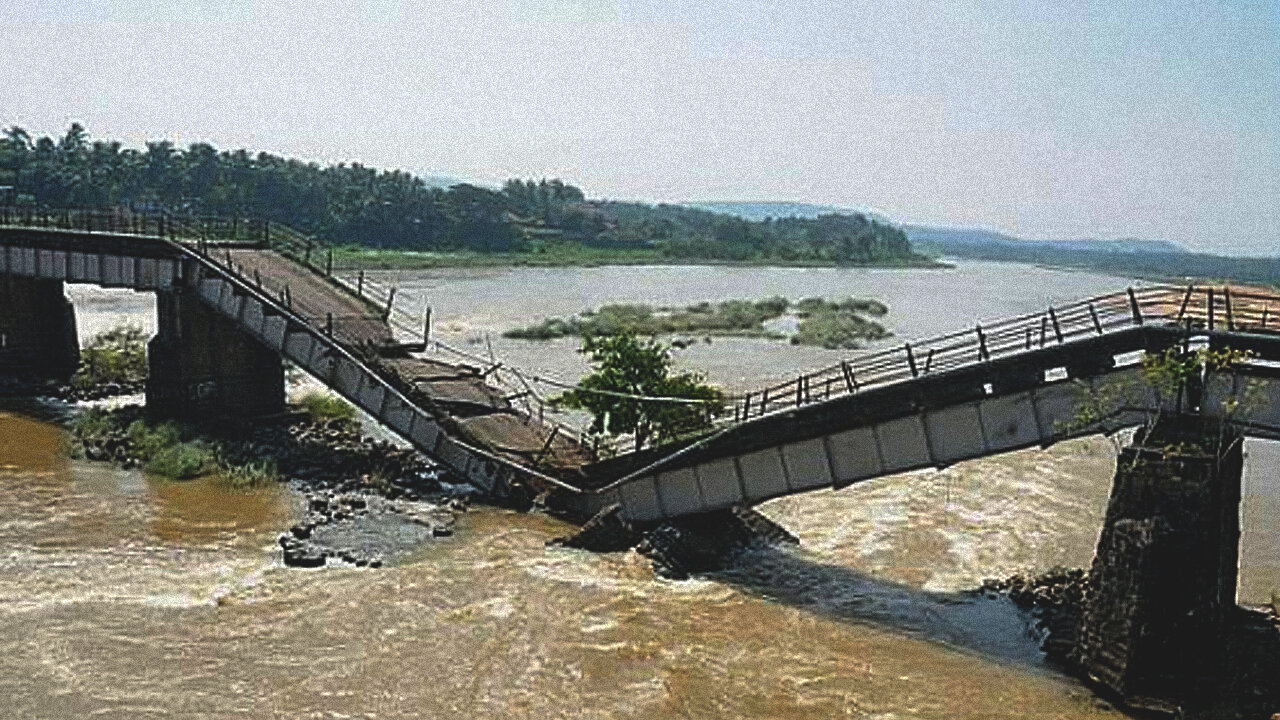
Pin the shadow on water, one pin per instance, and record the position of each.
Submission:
(971, 621)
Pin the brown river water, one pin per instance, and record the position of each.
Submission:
(133, 597)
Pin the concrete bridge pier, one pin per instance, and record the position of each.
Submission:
(1164, 576)
(201, 365)
(37, 329)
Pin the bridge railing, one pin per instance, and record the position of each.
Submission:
(123, 220)
(1195, 308)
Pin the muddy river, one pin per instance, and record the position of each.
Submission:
(128, 596)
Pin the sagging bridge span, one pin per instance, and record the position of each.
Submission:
(238, 295)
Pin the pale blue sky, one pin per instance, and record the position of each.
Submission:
(1067, 119)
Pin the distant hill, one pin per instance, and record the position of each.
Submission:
(966, 242)
(1158, 259)
(763, 210)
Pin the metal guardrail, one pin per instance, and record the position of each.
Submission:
(1193, 307)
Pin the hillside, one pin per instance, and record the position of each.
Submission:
(963, 241)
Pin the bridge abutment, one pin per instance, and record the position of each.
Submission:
(202, 365)
(37, 329)
(1164, 576)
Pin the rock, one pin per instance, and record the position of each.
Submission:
(707, 542)
(441, 531)
(300, 554)
(604, 532)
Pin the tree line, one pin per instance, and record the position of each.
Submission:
(353, 204)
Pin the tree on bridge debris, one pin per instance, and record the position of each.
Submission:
(626, 365)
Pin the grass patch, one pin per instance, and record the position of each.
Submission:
(254, 474)
(117, 356)
(839, 324)
(321, 406)
(182, 461)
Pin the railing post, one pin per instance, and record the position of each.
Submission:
(1094, 314)
(328, 268)
(1212, 303)
(1057, 329)
(850, 381)
(391, 298)
(1226, 299)
(1044, 329)
(1133, 305)
(982, 345)
(928, 361)
(360, 284)
(911, 360)
(426, 328)
(1186, 298)
(799, 390)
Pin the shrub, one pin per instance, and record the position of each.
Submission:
(252, 474)
(323, 406)
(181, 461)
(118, 356)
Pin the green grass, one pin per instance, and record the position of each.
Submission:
(258, 473)
(321, 406)
(824, 323)
(182, 461)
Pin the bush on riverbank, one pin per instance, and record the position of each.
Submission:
(321, 406)
(168, 449)
(115, 357)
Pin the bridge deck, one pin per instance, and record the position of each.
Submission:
(1008, 385)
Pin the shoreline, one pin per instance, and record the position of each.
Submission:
(350, 260)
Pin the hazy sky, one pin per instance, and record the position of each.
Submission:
(1064, 119)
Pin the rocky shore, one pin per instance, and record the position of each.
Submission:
(29, 387)
(367, 501)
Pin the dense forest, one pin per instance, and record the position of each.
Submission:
(351, 204)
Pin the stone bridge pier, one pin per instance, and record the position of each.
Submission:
(201, 365)
(37, 329)
(1163, 581)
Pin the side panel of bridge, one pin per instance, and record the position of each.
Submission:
(311, 350)
(37, 329)
(932, 438)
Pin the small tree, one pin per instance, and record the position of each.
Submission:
(627, 369)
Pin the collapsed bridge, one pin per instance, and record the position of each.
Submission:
(236, 296)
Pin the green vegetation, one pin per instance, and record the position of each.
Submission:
(543, 222)
(625, 366)
(117, 356)
(168, 449)
(322, 406)
(256, 473)
(823, 323)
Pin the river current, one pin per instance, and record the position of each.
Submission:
(133, 597)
